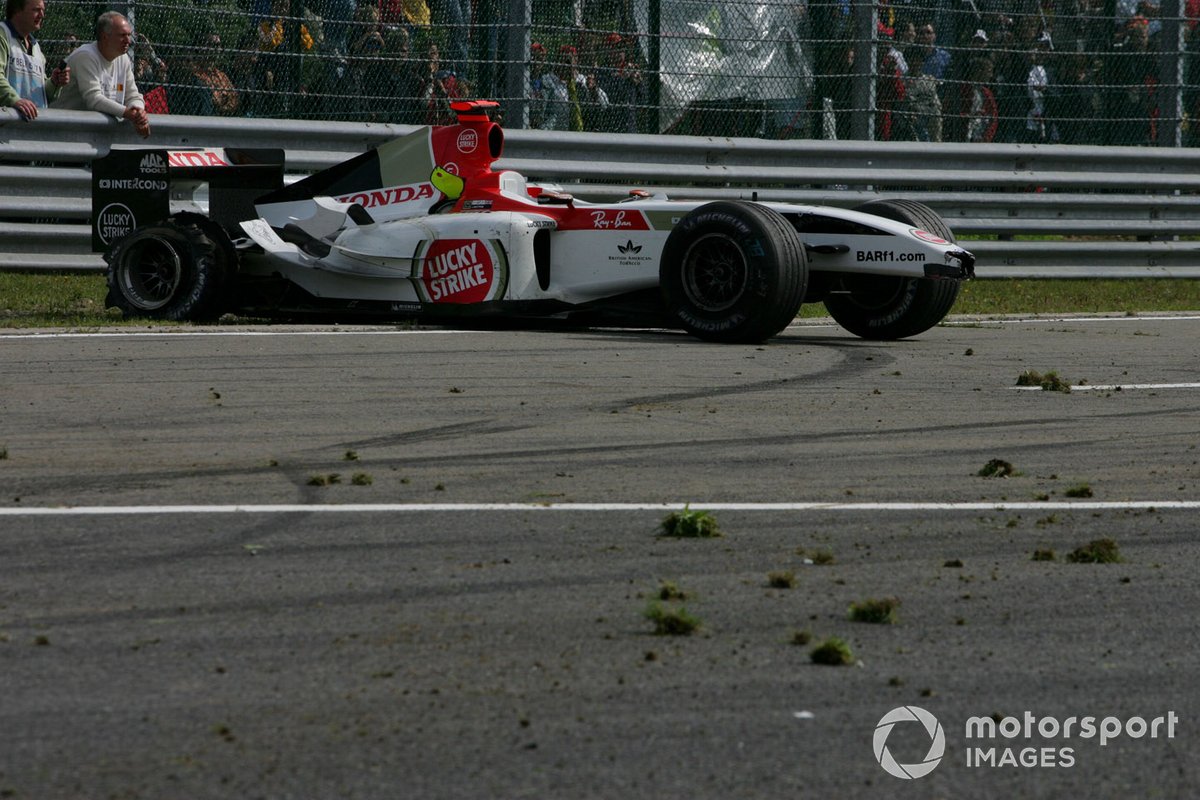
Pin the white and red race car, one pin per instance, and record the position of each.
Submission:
(423, 227)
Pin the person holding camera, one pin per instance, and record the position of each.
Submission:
(22, 64)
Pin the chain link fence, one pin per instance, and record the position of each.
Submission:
(1069, 71)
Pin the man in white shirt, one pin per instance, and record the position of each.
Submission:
(102, 75)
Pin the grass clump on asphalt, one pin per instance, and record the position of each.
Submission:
(801, 638)
(671, 621)
(998, 468)
(877, 612)
(325, 480)
(689, 524)
(1044, 554)
(1050, 382)
(1082, 490)
(668, 590)
(821, 557)
(1097, 551)
(832, 652)
(781, 579)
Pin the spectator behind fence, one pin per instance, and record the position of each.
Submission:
(978, 104)
(621, 81)
(276, 68)
(453, 19)
(570, 95)
(922, 105)
(337, 18)
(206, 90)
(1037, 81)
(440, 88)
(889, 90)
(1011, 72)
(402, 83)
(1074, 103)
(367, 68)
(102, 75)
(1132, 77)
(412, 14)
(537, 88)
(150, 72)
(936, 60)
(22, 63)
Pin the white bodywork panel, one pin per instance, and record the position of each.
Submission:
(474, 256)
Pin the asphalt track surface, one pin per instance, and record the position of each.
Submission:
(184, 614)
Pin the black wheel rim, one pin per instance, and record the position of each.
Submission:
(149, 273)
(714, 273)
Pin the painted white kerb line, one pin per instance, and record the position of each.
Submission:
(226, 334)
(408, 508)
(1114, 387)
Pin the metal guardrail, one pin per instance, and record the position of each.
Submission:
(1113, 211)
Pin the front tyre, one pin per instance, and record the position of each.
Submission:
(733, 271)
(172, 270)
(891, 307)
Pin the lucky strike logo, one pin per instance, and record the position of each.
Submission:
(115, 222)
(458, 271)
(468, 140)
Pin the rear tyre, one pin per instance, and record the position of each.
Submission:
(733, 271)
(889, 307)
(172, 270)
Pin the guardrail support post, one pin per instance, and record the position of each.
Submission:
(516, 107)
(862, 119)
(1170, 75)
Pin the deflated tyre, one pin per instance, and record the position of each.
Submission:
(172, 270)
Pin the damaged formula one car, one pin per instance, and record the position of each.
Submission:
(422, 227)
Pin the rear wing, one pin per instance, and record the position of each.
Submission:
(134, 188)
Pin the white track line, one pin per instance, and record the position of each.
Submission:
(1018, 320)
(173, 334)
(408, 508)
(1114, 387)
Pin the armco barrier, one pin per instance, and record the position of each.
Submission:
(1094, 211)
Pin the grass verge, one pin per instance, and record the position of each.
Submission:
(52, 300)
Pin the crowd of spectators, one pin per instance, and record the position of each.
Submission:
(985, 71)
(1075, 77)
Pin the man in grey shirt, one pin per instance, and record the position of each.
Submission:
(102, 75)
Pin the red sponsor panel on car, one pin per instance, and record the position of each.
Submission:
(604, 219)
(460, 271)
(197, 158)
(933, 238)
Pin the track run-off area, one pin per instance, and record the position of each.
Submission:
(366, 562)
